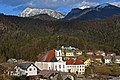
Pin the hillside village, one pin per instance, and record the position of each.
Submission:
(66, 63)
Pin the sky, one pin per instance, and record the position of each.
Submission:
(14, 7)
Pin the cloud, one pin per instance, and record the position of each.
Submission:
(86, 3)
(115, 3)
(52, 4)
(14, 2)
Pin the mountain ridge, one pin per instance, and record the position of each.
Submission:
(28, 12)
(102, 11)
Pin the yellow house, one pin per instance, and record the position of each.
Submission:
(88, 62)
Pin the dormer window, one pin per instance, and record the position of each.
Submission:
(30, 69)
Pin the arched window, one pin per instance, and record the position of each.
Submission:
(30, 69)
(59, 53)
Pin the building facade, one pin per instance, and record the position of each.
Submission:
(62, 66)
(26, 69)
(108, 59)
(117, 59)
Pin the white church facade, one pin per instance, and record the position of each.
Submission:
(72, 65)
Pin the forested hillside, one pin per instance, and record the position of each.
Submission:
(26, 38)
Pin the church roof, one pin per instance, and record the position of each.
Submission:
(49, 56)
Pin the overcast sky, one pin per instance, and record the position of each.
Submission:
(14, 7)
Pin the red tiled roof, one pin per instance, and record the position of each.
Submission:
(47, 73)
(46, 56)
(109, 53)
(42, 57)
(70, 61)
(77, 62)
(89, 51)
(96, 56)
(51, 55)
(74, 62)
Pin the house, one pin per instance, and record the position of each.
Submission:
(78, 52)
(68, 53)
(89, 52)
(68, 47)
(117, 59)
(97, 58)
(66, 75)
(25, 69)
(75, 66)
(108, 59)
(111, 54)
(88, 62)
(47, 74)
(102, 53)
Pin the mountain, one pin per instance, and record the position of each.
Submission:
(115, 3)
(73, 14)
(25, 38)
(32, 12)
(84, 6)
(102, 11)
(43, 17)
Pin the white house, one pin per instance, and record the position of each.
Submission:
(89, 53)
(60, 53)
(108, 59)
(75, 66)
(117, 59)
(27, 69)
(111, 54)
(69, 47)
(102, 53)
(97, 58)
(78, 52)
(68, 53)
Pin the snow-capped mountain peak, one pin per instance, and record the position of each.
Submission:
(115, 4)
(84, 7)
(32, 12)
(103, 5)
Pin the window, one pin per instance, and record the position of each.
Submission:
(30, 69)
(34, 68)
(69, 70)
(59, 66)
(55, 66)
